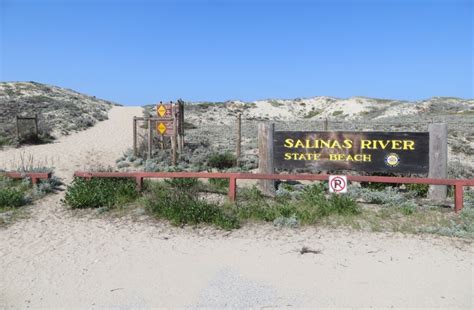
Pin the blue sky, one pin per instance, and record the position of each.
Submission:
(137, 52)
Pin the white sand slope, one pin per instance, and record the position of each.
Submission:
(101, 144)
(56, 259)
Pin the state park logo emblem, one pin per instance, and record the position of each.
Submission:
(392, 160)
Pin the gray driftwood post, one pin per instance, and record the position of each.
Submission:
(438, 159)
(239, 139)
(265, 156)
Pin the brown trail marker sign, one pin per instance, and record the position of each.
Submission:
(168, 123)
(392, 152)
(164, 128)
(164, 110)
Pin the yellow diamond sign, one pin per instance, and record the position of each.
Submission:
(161, 128)
(161, 111)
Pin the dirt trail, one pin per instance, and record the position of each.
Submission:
(56, 259)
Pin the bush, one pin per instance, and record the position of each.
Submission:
(420, 190)
(338, 204)
(181, 207)
(389, 196)
(222, 160)
(11, 198)
(310, 205)
(219, 184)
(183, 183)
(100, 192)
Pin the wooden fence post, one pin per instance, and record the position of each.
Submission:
(239, 139)
(265, 156)
(17, 128)
(150, 132)
(438, 168)
(36, 125)
(135, 136)
(174, 141)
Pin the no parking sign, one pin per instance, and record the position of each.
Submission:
(338, 184)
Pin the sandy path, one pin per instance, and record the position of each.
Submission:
(103, 143)
(55, 259)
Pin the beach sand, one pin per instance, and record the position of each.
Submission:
(57, 259)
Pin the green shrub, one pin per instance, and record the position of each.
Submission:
(251, 194)
(180, 207)
(407, 208)
(338, 204)
(312, 113)
(420, 190)
(183, 183)
(11, 198)
(389, 196)
(311, 205)
(100, 192)
(4, 141)
(222, 160)
(314, 194)
(219, 184)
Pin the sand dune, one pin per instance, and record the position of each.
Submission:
(56, 259)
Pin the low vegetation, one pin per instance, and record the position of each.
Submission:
(222, 160)
(16, 193)
(189, 201)
(100, 192)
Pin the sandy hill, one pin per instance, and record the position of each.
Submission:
(349, 109)
(60, 111)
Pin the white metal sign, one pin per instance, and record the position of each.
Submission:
(338, 184)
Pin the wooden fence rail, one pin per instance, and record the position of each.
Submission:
(459, 184)
(34, 176)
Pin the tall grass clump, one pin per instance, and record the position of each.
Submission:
(181, 206)
(100, 192)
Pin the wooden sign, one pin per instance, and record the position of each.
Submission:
(392, 152)
(165, 128)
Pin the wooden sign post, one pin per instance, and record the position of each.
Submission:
(168, 123)
(438, 167)
(265, 156)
